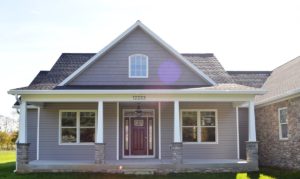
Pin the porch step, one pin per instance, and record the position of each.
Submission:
(139, 171)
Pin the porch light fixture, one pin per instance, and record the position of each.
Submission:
(138, 111)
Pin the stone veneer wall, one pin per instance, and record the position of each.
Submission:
(273, 151)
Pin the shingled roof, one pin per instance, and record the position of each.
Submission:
(284, 81)
(211, 66)
(250, 78)
(69, 62)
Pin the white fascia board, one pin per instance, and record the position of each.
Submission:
(162, 91)
(176, 54)
(284, 96)
(98, 55)
(124, 34)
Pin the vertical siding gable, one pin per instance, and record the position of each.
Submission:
(112, 68)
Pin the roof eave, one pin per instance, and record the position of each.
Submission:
(162, 91)
(274, 99)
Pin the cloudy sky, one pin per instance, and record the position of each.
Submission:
(243, 34)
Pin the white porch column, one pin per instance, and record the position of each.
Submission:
(177, 137)
(99, 136)
(22, 122)
(251, 128)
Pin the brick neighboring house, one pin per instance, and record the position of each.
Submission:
(278, 117)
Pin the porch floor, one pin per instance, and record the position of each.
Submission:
(140, 166)
(136, 161)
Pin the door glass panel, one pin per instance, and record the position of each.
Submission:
(150, 134)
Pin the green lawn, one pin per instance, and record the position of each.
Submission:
(7, 165)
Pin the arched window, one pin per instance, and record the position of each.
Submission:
(138, 66)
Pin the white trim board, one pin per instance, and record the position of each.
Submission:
(143, 91)
(123, 142)
(125, 34)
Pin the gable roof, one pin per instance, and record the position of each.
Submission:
(283, 82)
(138, 24)
(67, 63)
(250, 78)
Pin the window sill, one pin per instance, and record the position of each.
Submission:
(283, 139)
(76, 144)
(199, 143)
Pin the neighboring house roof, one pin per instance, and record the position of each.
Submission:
(136, 25)
(283, 82)
(250, 78)
(70, 62)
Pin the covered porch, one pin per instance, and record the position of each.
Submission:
(169, 147)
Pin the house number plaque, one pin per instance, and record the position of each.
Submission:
(139, 98)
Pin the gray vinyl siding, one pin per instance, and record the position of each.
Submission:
(167, 126)
(49, 130)
(31, 132)
(227, 138)
(243, 127)
(110, 130)
(112, 68)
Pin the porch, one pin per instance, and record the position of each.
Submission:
(142, 166)
(169, 147)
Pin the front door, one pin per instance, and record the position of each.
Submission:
(138, 133)
(139, 136)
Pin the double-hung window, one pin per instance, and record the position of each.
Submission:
(283, 123)
(199, 126)
(138, 66)
(77, 127)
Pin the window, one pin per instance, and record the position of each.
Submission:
(138, 66)
(199, 126)
(283, 123)
(77, 127)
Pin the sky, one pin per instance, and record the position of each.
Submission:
(243, 34)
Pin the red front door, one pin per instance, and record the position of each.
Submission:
(139, 136)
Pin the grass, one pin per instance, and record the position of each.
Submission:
(7, 166)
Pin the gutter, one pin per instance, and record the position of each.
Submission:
(287, 95)
(161, 91)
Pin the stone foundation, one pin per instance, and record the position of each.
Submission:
(99, 153)
(177, 148)
(22, 154)
(252, 152)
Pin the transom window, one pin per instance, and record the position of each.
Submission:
(77, 127)
(199, 126)
(283, 123)
(138, 66)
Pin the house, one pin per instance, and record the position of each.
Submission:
(136, 106)
(278, 117)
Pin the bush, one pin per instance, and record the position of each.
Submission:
(7, 140)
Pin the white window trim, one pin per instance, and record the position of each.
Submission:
(199, 126)
(154, 136)
(77, 127)
(279, 127)
(129, 66)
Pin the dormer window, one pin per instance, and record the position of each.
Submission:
(138, 66)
